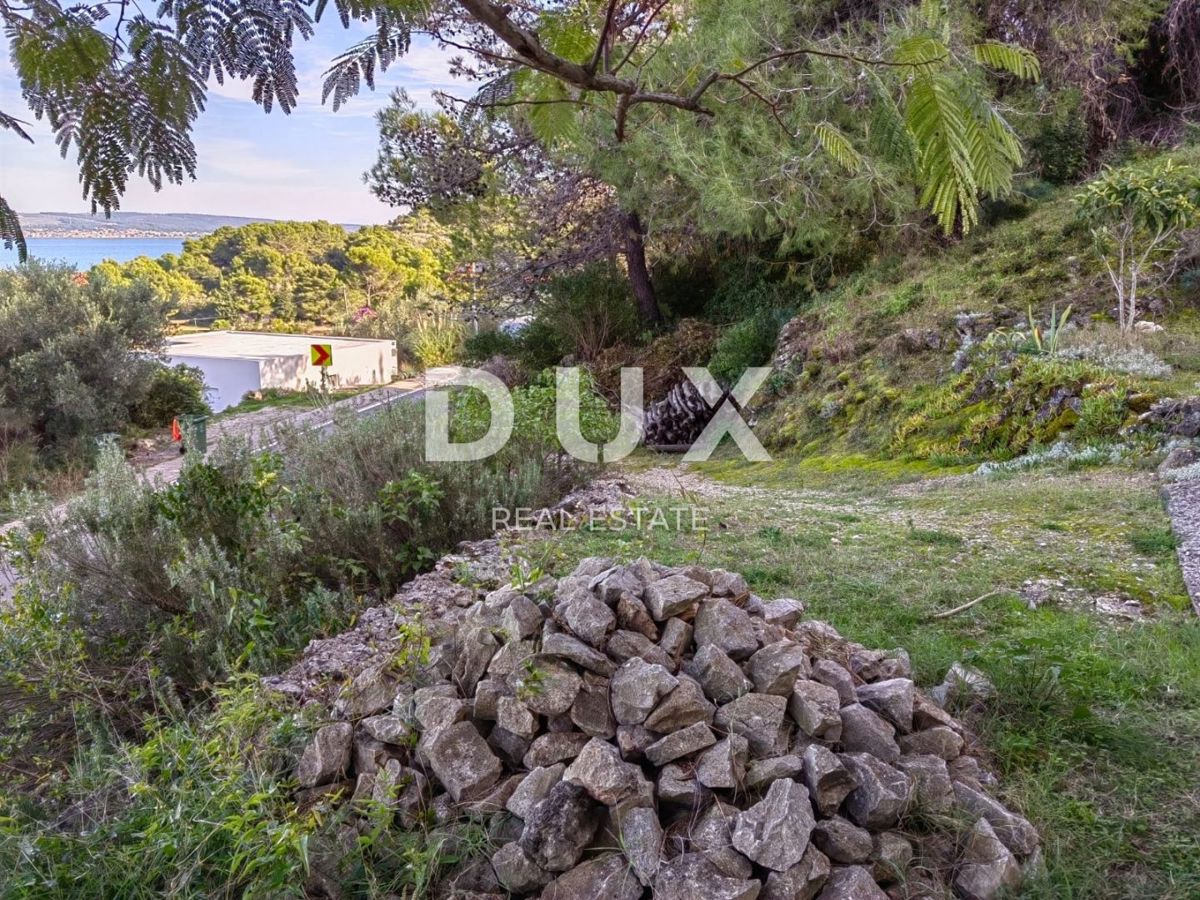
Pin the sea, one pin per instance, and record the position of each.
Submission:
(83, 253)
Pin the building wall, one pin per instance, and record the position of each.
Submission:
(230, 377)
(228, 380)
(288, 372)
(373, 363)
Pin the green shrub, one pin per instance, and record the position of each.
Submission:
(750, 342)
(746, 294)
(437, 342)
(75, 357)
(1061, 144)
(540, 346)
(133, 591)
(207, 576)
(483, 346)
(590, 310)
(202, 808)
(173, 391)
(1102, 412)
(903, 299)
(535, 416)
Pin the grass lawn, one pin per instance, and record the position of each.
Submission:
(1096, 732)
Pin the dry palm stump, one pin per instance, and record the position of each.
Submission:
(644, 731)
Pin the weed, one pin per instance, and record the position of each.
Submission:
(935, 537)
(1157, 541)
(413, 648)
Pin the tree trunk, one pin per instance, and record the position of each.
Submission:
(639, 274)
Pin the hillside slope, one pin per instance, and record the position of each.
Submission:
(929, 355)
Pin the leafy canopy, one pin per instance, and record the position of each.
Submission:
(123, 91)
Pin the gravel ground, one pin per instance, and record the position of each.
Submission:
(1183, 503)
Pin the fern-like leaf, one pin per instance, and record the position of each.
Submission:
(838, 146)
(10, 231)
(888, 134)
(395, 22)
(939, 127)
(922, 52)
(357, 65)
(551, 109)
(9, 123)
(1009, 58)
(992, 146)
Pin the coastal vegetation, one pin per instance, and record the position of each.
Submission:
(964, 236)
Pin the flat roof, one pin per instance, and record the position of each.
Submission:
(258, 344)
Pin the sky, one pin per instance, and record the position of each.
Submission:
(307, 165)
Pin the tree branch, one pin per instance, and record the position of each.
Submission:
(531, 52)
(640, 36)
(603, 39)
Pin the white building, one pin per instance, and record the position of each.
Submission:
(235, 363)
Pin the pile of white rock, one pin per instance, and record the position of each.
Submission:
(639, 731)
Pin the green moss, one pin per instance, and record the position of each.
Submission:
(1005, 404)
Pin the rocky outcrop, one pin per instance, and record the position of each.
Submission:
(1180, 418)
(644, 731)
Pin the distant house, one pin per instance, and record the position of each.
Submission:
(236, 363)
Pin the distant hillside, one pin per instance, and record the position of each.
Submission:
(131, 224)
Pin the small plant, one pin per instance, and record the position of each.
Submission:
(532, 682)
(1048, 341)
(483, 346)
(523, 576)
(437, 341)
(1158, 541)
(748, 343)
(413, 648)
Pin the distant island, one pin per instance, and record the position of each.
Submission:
(131, 225)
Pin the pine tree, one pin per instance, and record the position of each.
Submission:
(124, 97)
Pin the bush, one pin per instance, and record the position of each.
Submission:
(747, 294)
(437, 342)
(540, 346)
(750, 342)
(75, 355)
(1102, 412)
(205, 806)
(173, 391)
(1061, 143)
(535, 417)
(483, 346)
(132, 592)
(590, 310)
